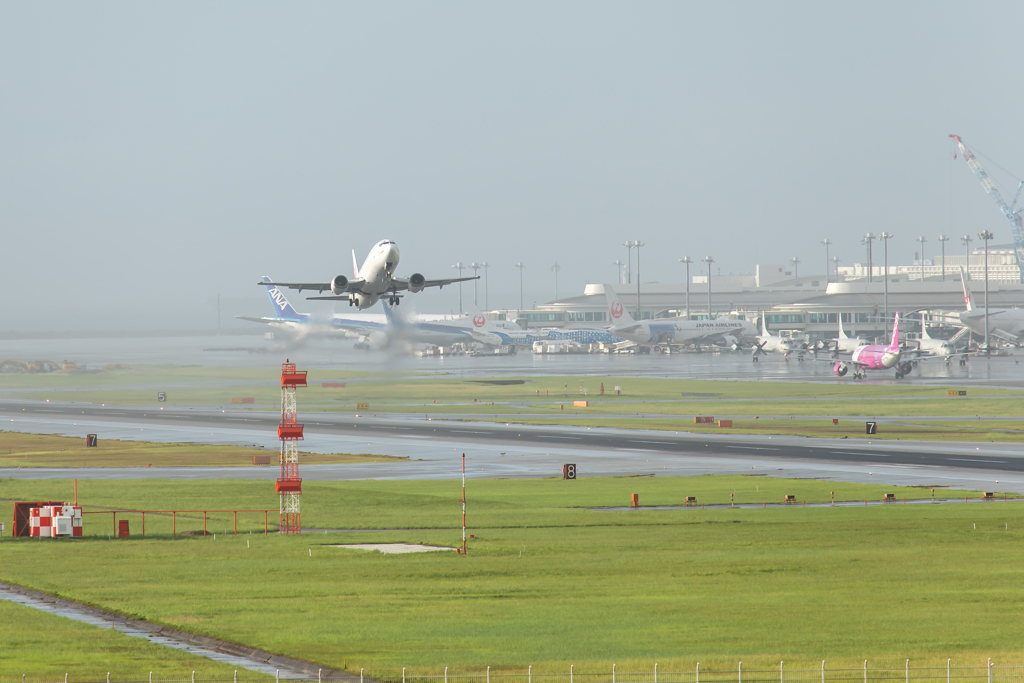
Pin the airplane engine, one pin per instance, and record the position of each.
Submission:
(840, 369)
(416, 282)
(339, 284)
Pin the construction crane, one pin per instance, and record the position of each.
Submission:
(1012, 214)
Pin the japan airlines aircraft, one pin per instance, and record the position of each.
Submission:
(487, 332)
(375, 280)
(1005, 323)
(767, 342)
(674, 330)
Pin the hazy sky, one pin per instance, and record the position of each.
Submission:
(153, 155)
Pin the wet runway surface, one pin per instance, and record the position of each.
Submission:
(434, 448)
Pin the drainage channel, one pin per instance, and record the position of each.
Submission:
(218, 650)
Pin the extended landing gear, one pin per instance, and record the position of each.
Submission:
(756, 359)
(395, 300)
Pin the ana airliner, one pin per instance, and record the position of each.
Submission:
(374, 281)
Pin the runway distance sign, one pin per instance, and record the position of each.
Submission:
(569, 471)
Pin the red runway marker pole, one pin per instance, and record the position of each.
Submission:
(463, 503)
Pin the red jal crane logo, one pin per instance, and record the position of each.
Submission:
(617, 309)
(479, 320)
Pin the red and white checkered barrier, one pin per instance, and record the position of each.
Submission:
(55, 520)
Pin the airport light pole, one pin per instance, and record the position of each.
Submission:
(487, 284)
(618, 263)
(459, 266)
(709, 260)
(554, 269)
(885, 237)
(796, 267)
(475, 267)
(922, 240)
(868, 239)
(520, 266)
(639, 314)
(687, 260)
(835, 261)
(966, 241)
(825, 242)
(942, 241)
(985, 236)
(629, 261)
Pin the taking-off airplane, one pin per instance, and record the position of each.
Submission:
(374, 281)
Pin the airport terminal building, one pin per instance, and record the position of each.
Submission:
(805, 305)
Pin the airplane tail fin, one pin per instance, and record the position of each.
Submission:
(968, 297)
(764, 325)
(355, 267)
(617, 313)
(282, 307)
(895, 343)
(478, 319)
(924, 329)
(842, 332)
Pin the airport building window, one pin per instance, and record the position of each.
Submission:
(863, 317)
(785, 318)
(545, 317)
(847, 317)
(822, 318)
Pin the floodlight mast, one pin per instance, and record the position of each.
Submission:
(1011, 211)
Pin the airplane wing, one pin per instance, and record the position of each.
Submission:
(353, 286)
(401, 284)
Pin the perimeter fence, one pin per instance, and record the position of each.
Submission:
(991, 673)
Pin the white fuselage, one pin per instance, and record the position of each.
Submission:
(783, 345)
(848, 344)
(1009, 320)
(683, 331)
(377, 271)
(935, 347)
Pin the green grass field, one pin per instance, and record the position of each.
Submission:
(49, 450)
(549, 582)
(646, 403)
(45, 647)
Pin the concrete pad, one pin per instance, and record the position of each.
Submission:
(393, 548)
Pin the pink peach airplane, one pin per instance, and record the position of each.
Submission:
(877, 357)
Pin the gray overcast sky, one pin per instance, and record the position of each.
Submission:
(153, 155)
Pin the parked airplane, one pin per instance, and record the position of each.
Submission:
(927, 346)
(373, 281)
(286, 318)
(876, 357)
(767, 342)
(674, 330)
(1005, 323)
(843, 343)
(445, 332)
(488, 332)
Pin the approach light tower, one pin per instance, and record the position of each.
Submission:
(289, 484)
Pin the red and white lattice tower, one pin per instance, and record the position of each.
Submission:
(289, 484)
